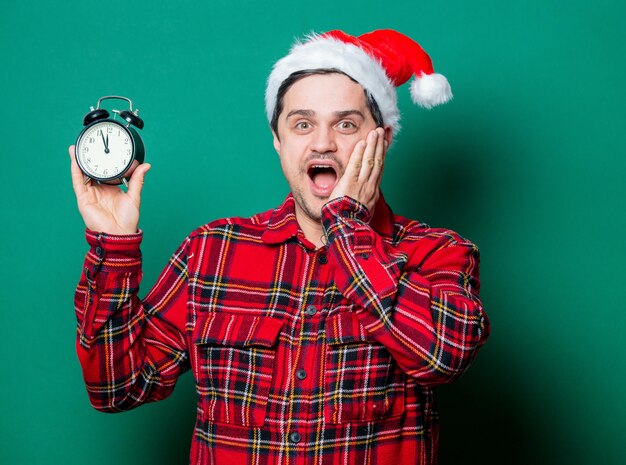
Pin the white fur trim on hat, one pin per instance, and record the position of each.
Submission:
(320, 52)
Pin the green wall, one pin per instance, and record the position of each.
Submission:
(527, 161)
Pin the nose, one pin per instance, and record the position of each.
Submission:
(323, 140)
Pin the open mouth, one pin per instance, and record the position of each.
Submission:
(323, 176)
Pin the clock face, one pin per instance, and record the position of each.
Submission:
(104, 150)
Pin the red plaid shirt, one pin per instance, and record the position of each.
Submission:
(300, 356)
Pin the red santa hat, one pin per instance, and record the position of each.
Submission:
(379, 60)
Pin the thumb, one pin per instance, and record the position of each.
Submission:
(135, 184)
(78, 181)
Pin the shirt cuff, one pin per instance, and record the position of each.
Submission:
(344, 217)
(110, 252)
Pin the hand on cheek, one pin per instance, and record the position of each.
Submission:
(361, 180)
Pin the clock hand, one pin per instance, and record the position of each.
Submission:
(105, 142)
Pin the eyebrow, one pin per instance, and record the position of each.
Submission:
(307, 113)
(339, 114)
(343, 114)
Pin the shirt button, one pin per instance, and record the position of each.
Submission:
(365, 256)
(310, 310)
(295, 437)
(99, 251)
(322, 259)
(301, 374)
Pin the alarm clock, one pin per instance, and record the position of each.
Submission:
(109, 149)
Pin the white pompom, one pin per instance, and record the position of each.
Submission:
(430, 90)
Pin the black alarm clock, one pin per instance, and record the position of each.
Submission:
(109, 149)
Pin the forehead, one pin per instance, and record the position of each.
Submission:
(325, 93)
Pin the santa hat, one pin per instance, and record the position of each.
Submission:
(379, 61)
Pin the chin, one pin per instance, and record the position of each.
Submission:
(314, 211)
(311, 207)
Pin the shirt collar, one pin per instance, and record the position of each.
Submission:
(283, 224)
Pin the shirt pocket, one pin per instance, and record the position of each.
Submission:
(236, 355)
(362, 382)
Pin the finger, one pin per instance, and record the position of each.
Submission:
(368, 156)
(78, 179)
(135, 184)
(354, 163)
(379, 157)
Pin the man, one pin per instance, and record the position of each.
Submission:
(315, 331)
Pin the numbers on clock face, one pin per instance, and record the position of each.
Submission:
(104, 150)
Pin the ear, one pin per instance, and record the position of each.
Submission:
(276, 142)
(388, 135)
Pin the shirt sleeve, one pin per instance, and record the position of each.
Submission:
(417, 297)
(131, 350)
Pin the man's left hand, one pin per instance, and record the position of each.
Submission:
(361, 179)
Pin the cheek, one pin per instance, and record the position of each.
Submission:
(289, 164)
(350, 140)
(346, 147)
(292, 152)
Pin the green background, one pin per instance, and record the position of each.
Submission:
(527, 161)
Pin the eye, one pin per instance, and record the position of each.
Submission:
(348, 126)
(302, 125)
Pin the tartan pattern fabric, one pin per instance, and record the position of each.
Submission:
(362, 382)
(236, 367)
(300, 355)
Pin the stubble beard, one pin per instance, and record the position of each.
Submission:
(303, 204)
(299, 195)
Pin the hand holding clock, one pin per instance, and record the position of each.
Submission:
(107, 208)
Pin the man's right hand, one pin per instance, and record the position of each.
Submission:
(106, 208)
